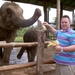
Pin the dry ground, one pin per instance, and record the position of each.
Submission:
(48, 54)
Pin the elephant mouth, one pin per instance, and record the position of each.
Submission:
(10, 26)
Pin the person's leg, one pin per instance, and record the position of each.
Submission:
(72, 69)
(64, 70)
(57, 69)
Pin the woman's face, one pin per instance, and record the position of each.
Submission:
(65, 23)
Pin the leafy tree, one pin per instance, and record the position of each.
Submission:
(21, 31)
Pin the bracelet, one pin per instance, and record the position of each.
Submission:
(62, 49)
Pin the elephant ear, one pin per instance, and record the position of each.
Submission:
(9, 12)
(1, 23)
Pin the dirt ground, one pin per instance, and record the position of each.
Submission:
(48, 54)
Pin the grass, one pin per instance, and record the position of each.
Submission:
(18, 39)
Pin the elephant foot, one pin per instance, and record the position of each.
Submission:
(19, 56)
(5, 63)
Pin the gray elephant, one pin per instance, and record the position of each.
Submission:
(11, 19)
(31, 36)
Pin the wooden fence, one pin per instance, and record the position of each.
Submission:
(39, 63)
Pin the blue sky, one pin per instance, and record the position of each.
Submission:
(29, 10)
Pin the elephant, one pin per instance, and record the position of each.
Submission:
(31, 36)
(11, 20)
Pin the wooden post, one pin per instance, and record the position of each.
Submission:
(58, 15)
(46, 15)
(73, 19)
(40, 52)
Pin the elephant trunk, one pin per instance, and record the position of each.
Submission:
(32, 20)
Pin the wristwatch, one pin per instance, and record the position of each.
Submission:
(62, 49)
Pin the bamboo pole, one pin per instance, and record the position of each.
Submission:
(25, 65)
(14, 44)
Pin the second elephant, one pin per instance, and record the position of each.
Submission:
(30, 36)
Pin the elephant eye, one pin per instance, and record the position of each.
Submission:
(9, 12)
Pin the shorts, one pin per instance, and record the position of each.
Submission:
(65, 69)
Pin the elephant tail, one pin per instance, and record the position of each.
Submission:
(21, 52)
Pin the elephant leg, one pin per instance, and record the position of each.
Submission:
(21, 52)
(1, 53)
(28, 54)
(31, 52)
(6, 56)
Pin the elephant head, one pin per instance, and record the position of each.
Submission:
(12, 16)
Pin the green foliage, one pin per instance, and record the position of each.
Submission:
(18, 39)
(21, 31)
(55, 19)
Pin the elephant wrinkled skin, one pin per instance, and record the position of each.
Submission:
(11, 19)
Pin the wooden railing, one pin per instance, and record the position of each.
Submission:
(40, 49)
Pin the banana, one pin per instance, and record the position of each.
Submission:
(53, 43)
(44, 27)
